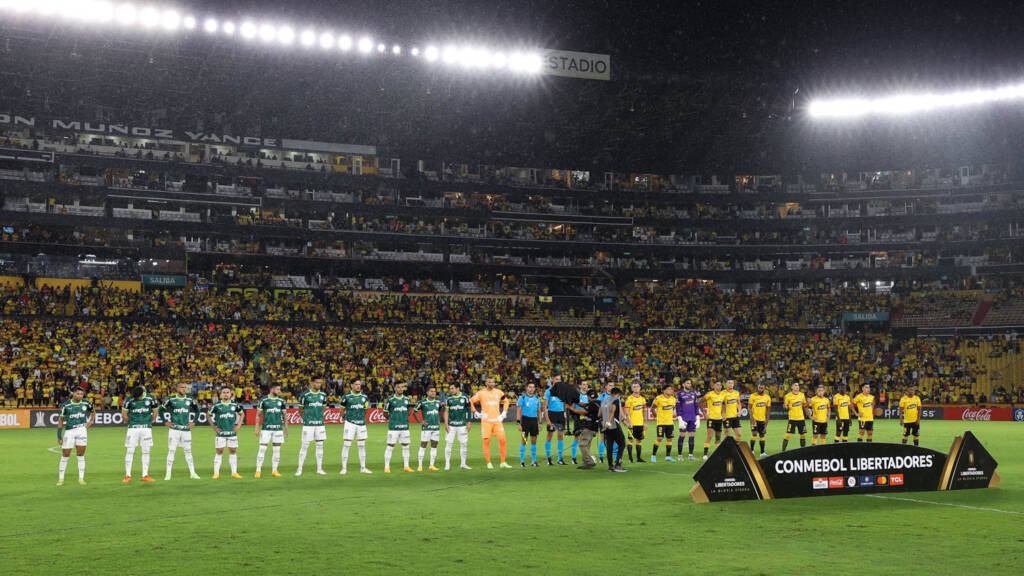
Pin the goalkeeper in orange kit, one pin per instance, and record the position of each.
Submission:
(491, 407)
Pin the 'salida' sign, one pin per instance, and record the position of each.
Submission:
(734, 473)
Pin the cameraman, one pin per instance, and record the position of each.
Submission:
(588, 423)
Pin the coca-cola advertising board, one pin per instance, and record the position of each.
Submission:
(978, 414)
(331, 416)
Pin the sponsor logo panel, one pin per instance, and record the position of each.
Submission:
(980, 414)
(11, 419)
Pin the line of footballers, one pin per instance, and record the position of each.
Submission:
(720, 407)
(226, 417)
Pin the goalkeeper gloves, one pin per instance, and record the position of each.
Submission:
(478, 415)
(503, 415)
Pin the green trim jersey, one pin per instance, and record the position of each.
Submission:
(431, 412)
(140, 411)
(225, 416)
(313, 407)
(458, 409)
(355, 408)
(76, 414)
(273, 412)
(181, 411)
(397, 408)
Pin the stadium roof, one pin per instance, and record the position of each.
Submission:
(700, 86)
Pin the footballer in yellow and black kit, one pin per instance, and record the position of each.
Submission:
(842, 402)
(759, 405)
(636, 407)
(664, 406)
(864, 403)
(910, 415)
(714, 405)
(733, 407)
(821, 408)
(796, 405)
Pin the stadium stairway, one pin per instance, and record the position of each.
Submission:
(981, 311)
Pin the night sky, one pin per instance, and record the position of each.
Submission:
(698, 87)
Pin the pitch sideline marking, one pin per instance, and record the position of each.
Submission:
(950, 504)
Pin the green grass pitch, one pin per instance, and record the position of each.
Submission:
(533, 521)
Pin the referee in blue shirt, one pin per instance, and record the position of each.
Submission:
(528, 421)
(554, 408)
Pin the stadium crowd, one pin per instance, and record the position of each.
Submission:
(234, 294)
(42, 357)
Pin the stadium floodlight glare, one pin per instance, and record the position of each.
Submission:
(44, 7)
(524, 63)
(450, 55)
(478, 57)
(73, 10)
(248, 30)
(268, 32)
(285, 35)
(126, 15)
(149, 17)
(170, 20)
(908, 104)
(167, 16)
(100, 12)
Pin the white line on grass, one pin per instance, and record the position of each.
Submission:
(54, 449)
(950, 504)
(658, 472)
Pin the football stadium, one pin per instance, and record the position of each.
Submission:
(519, 287)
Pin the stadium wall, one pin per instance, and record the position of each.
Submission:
(78, 283)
